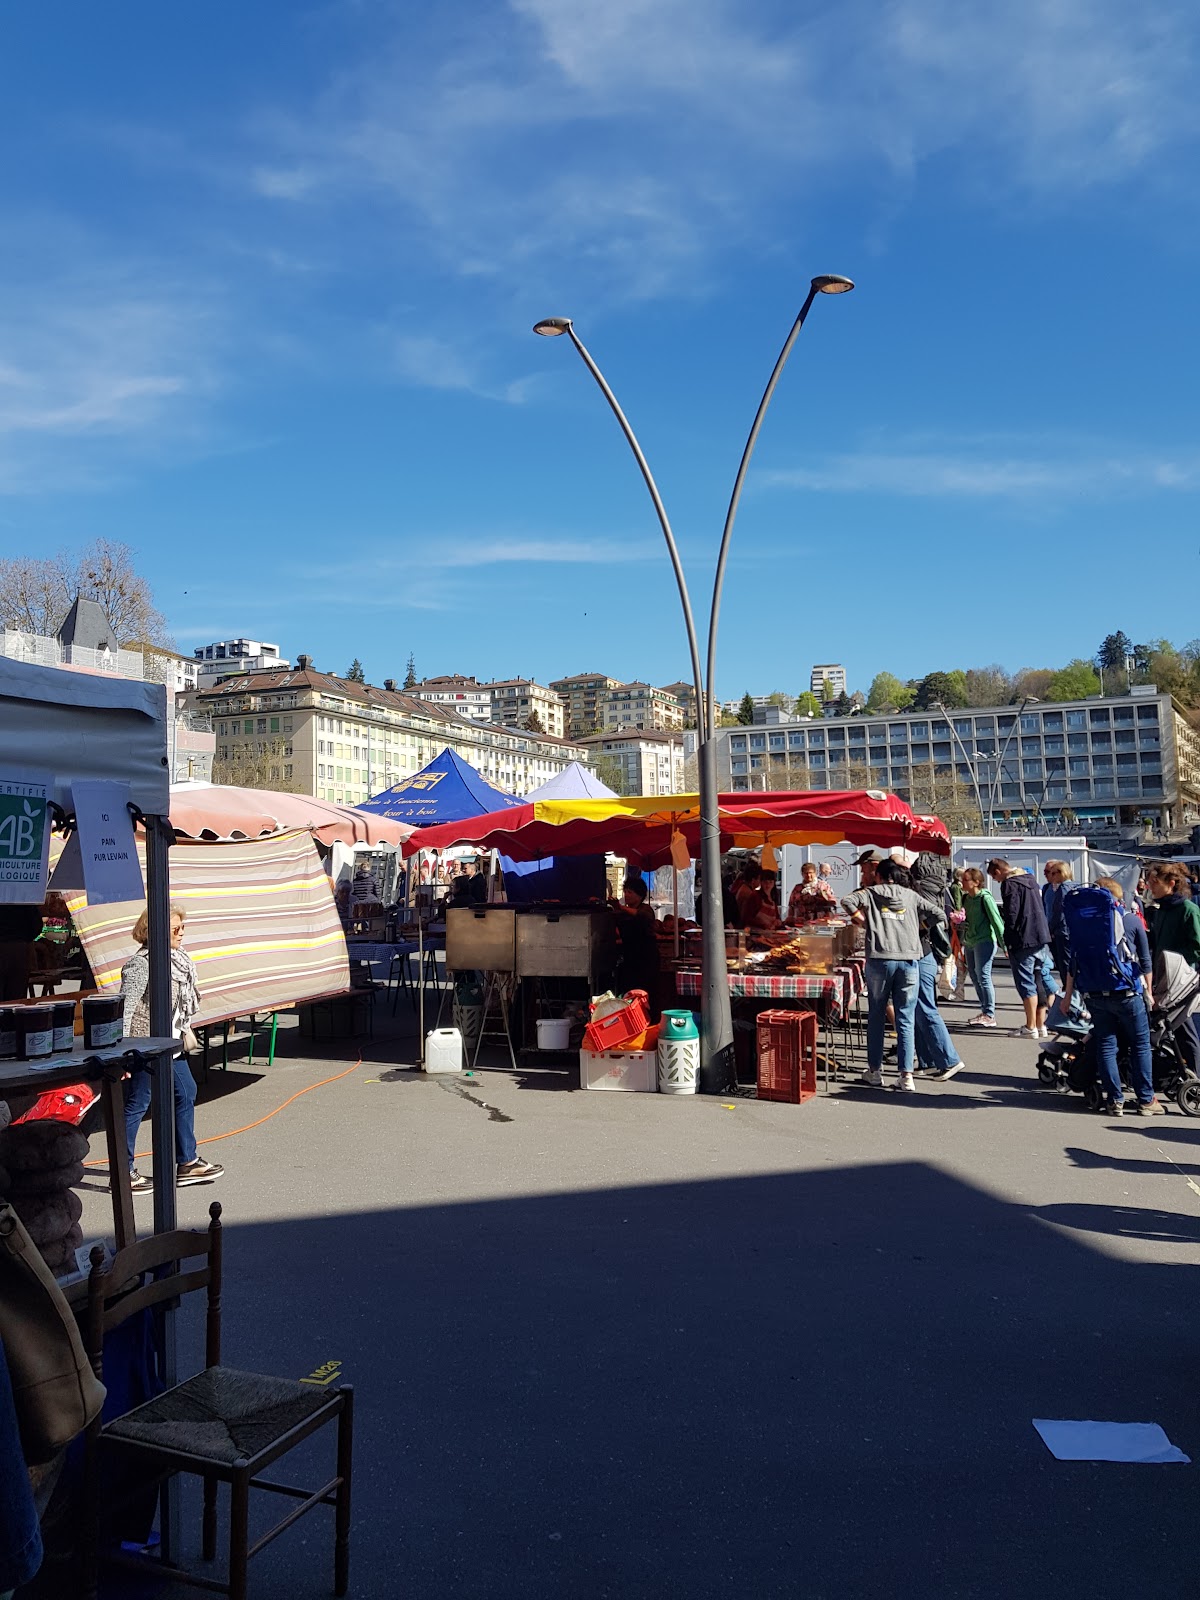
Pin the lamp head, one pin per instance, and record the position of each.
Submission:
(552, 327)
(832, 283)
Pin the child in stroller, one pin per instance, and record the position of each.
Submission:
(1069, 1062)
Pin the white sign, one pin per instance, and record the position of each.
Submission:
(111, 870)
(24, 837)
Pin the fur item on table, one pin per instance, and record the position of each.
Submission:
(48, 1217)
(46, 1181)
(34, 1146)
(60, 1256)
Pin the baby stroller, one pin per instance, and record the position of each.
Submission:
(1070, 1062)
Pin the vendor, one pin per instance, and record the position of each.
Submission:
(753, 908)
(638, 967)
(811, 899)
(19, 927)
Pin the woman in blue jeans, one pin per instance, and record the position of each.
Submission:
(982, 936)
(185, 1002)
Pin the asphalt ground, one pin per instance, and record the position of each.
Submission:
(632, 1345)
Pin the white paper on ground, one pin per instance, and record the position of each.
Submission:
(1143, 1442)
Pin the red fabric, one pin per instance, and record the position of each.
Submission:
(859, 816)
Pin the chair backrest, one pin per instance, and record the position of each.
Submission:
(117, 1291)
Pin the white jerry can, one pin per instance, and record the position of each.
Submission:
(444, 1050)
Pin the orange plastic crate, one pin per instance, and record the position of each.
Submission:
(619, 1027)
(787, 1055)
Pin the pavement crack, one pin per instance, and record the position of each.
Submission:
(464, 1093)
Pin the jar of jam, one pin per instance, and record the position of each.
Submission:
(103, 1021)
(64, 1025)
(8, 1033)
(35, 1032)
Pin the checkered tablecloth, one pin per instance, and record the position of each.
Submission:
(835, 990)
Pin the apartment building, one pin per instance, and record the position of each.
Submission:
(639, 705)
(580, 695)
(685, 693)
(457, 693)
(224, 657)
(314, 733)
(827, 672)
(647, 761)
(1107, 760)
(515, 700)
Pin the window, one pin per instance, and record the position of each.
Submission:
(1126, 762)
(985, 725)
(1099, 717)
(248, 726)
(1128, 786)
(899, 775)
(1076, 719)
(1005, 725)
(1031, 769)
(1102, 763)
(919, 730)
(1079, 766)
(1077, 741)
(1054, 747)
(1152, 785)
(1102, 741)
(1147, 714)
(816, 759)
(1126, 739)
(287, 771)
(796, 741)
(962, 727)
(816, 741)
(837, 758)
(1105, 788)
(1052, 721)
(758, 741)
(1030, 722)
(737, 741)
(942, 752)
(1081, 789)
(777, 741)
(260, 725)
(274, 724)
(920, 752)
(1149, 739)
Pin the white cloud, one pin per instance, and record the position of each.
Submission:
(972, 473)
(627, 141)
(432, 363)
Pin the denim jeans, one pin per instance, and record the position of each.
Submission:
(935, 1048)
(896, 981)
(1122, 1016)
(20, 1533)
(979, 959)
(1033, 974)
(137, 1101)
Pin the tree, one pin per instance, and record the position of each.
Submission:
(1115, 649)
(826, 690)
(988, 686)
(806, 705)
(939, 791)
(1075, 681)
(610, 771)
(778, 698)
(745, 710)
(36, 593)
(533, 723)
(355, 673)
(410, 676)
(946, 688)
(1031, 681)
(887, 693)
(842, 704)
(261, 764)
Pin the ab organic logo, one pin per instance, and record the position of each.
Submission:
(21, 825)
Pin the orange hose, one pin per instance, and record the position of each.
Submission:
(213, 1138)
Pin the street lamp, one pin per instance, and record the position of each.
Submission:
(1029, 700)
(970, 764)
(717, 1069)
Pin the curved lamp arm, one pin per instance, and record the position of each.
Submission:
(558, 325)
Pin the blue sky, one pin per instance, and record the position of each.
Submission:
(269, 274)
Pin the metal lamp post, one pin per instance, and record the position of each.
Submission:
(717, 1069)
(1029, 700)
(969, 763)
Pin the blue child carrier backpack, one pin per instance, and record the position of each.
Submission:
(1100, 956)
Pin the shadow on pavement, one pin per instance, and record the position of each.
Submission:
(811, 1383)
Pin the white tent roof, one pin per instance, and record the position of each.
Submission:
(76, 725)
(572, 783)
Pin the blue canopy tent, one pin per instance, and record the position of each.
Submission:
(447, 790)
(570, 880)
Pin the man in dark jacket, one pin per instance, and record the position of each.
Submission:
(1027, 939)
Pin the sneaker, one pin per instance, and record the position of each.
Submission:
(904, 1084)
(872, 1080)
(1115, 1108)
(987, 1022)
(1151, 1108)
(925, 1072)
(140, 1184)
(197, 1172)
(1025, 1033)
(944, 1077)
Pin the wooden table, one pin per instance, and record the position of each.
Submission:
(105, 1068)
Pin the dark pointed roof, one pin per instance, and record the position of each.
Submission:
(86, 625)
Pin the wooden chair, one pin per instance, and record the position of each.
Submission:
(223, 1425)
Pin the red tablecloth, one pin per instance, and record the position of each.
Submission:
(835, 990)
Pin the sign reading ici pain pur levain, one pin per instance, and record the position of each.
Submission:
(111, 870)
(24, 837)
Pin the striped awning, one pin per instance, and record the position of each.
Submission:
(262, 927)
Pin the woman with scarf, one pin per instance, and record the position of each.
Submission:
(185, 1002)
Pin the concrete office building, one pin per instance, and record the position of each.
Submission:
(1107, 760)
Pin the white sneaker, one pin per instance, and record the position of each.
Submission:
(904, 1084)
(872, 1080)
(1025, 1033)
(943, 1077)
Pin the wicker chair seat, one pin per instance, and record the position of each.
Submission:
(220, 1415)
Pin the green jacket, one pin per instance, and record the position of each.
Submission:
(1175, 925)
(984, 921)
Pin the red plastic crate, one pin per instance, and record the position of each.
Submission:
(787, 1055)
(619, 1026)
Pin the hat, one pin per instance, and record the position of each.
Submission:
(870, 858)
(904, 858)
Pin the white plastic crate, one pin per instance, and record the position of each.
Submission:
(632, 1070)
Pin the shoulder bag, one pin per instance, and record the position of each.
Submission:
(54, 1388)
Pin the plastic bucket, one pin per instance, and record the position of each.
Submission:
(553, 1033)
(678, 1053)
